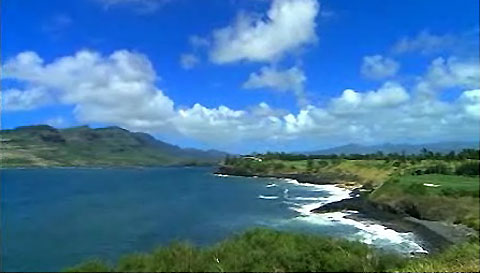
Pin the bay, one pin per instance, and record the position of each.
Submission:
(55, 218)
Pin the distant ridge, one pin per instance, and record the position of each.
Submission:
(43, 145)
(441, 147)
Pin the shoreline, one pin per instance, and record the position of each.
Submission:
(433, 235)
(324, 179)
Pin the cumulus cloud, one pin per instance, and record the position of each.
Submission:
(292, 79)
(120, 89)
(288, 25)
(115, 89)
(188, 61)
(469, 102)
(446, 73)
(379, 67)
(390, 94)
(20, 100)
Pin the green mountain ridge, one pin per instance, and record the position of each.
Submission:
(43, 145)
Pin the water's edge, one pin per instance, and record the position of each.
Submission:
(372, 218)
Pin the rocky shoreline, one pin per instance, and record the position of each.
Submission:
(434, 235)
(321, 179)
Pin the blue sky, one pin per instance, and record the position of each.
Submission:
(246, 75)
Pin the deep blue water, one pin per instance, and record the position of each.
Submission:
(53, 218)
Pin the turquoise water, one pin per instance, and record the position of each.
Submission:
(53, 218)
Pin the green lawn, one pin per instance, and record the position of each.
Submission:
(455, 200)
(460, 185)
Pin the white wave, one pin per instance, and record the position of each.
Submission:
(221, 175)
(330, 188)
(271, 185)
(291, 181)
(267, 197)
(305, 198)
(292, 203)
(335, 193)
(368, 232)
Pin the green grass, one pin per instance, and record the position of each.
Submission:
(372, 172)
(258, 250)
(462, 185)
(455, 200)
(460, 258)
(262, 250)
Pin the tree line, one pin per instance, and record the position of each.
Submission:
(424, 154)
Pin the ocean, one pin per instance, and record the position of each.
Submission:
(58, 217)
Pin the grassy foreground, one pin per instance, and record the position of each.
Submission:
(263, 250)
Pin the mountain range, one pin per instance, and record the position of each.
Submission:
(441, 147)
(43, 145)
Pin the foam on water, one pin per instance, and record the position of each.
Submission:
(367, 231)
(305, 198)
(267, 197)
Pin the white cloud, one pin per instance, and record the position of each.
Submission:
(198, 42)
(443, 74)
(461, 44)
(120, 89)
(469, 102)
(188, 61)
(143, 6)
(379, 67)
(424, 42)
(21, 100)
(115, 89)
(57, 122)
(389, 95)
(268, 77)
(288, 25)
(291, 79)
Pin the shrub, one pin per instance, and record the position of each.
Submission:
(322, 163)
(259, 250)
(439, 168)
(460, 258)
(90, 266)
(278, 166)
(262, 250)
(468, 168)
